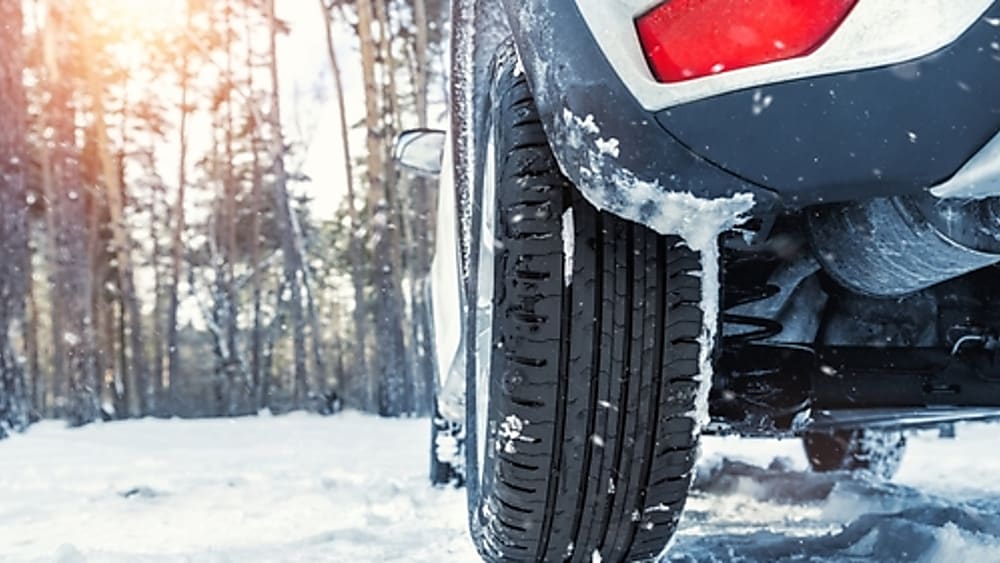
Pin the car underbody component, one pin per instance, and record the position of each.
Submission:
(900, 418)
(760, 388)
(847, 360)
(764, 389)
(891, 247)
(447, 451)
(739, 301)
(783, 307)
(876, 452)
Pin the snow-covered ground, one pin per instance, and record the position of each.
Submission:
(351, 488)
(942, 507)
(296, 488)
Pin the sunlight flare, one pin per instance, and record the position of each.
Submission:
(141, 16)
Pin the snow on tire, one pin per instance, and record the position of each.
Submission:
(592, 383)
(447, 443)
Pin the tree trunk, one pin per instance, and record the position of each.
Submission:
(422, 225)
(217, 317)
(420, 59)
(423, 339)
(39, 389)
(356, 251)
(236, 383)
(155, 403)
(257, 203)
(375, 169)
(290, 250)
(122, 386)
(177, 238)
(57, 375)
(321, 377)
(396, 390)
(104, 304)
(136, 371)
(13, 219)
(390, 92)
(73, 271)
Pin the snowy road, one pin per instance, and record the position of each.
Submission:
(352, 489)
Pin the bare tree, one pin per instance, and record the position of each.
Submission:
(290, 247)
(180, 225)
(355, 227)
(138, 368)
(257, 208)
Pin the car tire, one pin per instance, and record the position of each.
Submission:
(593, 384)
(877, 453)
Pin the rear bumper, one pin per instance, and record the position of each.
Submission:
(891, 130)
(605, 141)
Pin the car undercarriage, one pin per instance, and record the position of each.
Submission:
(801, 348)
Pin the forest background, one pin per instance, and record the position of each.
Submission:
(199, 212)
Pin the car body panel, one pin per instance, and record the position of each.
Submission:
(803, 147)
(979, 178)
(606, 143)
(875, 33)
(447, 301)
(892, 130)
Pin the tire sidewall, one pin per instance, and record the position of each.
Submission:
(490, 120)
(483, 115)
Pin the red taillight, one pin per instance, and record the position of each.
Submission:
(685, 39)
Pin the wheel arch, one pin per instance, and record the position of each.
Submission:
(615, 151)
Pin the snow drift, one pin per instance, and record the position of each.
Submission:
(354, 488)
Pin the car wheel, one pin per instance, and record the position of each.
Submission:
(878, 453)
(584, 358)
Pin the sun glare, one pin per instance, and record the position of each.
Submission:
(142, 16)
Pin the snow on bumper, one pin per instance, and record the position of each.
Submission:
(614, 188)
(615, 151)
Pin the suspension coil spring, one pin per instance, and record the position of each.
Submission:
(762, 328)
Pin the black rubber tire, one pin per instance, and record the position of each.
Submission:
(445, 467)
(592, 427)
(877, 453)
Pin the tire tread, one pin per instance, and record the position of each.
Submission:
(603, 374)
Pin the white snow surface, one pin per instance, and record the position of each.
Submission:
(349, 488)
(353, 488)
